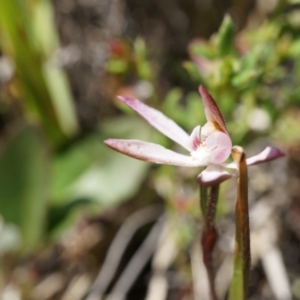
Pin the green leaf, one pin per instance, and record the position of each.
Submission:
(194, 110)
(193, 71)
(202, 48)
(245, 79)
(117, 66)
(59, 214)
(91, 170)
(24, 184)
(225, 37)
(143, 66)
(171, 106)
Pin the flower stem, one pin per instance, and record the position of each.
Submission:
(203, 199)
(211, 206)
(209, 234)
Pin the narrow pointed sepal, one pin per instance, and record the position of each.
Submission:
(211, 109)
(268, 154)
(159, 121)
(152, 153)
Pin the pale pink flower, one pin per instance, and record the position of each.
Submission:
(208, 146)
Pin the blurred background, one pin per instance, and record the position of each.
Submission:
(80, 221)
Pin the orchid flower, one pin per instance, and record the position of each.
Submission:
(208, 146)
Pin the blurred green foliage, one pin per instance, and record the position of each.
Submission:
(252, 75)
(28, 37)
(24, 181)
(41, 182)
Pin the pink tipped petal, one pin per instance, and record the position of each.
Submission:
(151, 152)
(268, 154)
(219, 145)
(211, 109)
(194, 139)
(213, 175)
(159, 121)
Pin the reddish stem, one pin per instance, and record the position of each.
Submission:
(209, 238)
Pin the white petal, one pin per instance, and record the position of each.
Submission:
(159, 121)
(194, 139)
(151, 152)
(213, 175)
(219, 145)
(268, 154)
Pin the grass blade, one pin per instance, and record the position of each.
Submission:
(28, 37)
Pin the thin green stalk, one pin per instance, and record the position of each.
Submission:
(242, 258)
